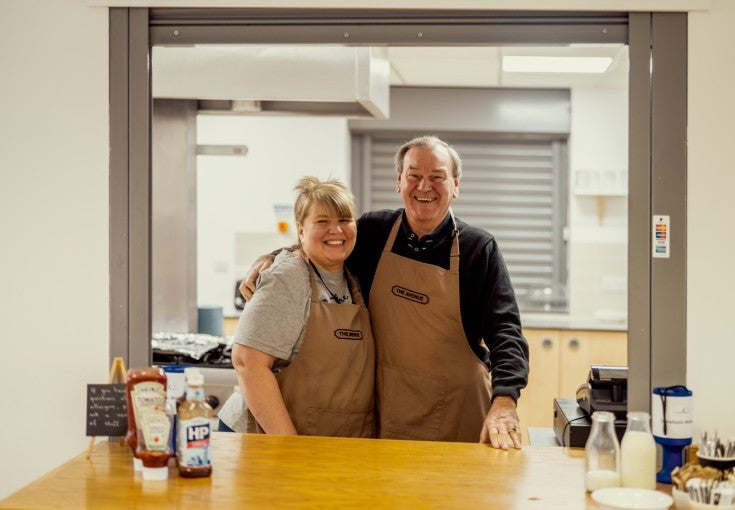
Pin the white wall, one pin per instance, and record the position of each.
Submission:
(710, 194)
(54, 212)
(598, 238)
(236, 195)
(54, 226)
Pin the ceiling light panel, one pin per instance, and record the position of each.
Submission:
(548, 64)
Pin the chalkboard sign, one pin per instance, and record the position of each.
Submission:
(107, 413)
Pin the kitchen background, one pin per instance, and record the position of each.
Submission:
(242, 197)
(237, 196)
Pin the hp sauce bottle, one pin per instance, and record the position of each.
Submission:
(194, 429)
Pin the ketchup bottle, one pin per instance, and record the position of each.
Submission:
(154, 445)
(145, 388)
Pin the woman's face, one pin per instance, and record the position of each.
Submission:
(326, 239)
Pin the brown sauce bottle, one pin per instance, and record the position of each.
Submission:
(194, 429)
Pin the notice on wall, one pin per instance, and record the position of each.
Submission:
(107, 413)
(661, 236)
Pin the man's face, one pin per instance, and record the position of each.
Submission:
(427, 187)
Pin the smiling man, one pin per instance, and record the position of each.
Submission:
(443, 311)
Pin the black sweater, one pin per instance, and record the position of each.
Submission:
(490, 314)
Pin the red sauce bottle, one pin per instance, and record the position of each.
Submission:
(155, 426)
(144, 388)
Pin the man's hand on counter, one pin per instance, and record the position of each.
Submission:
(501, 428)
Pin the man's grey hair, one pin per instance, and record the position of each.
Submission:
(430, 142)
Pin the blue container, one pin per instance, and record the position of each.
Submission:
(211, 320)
(175, 387)
(672, 422)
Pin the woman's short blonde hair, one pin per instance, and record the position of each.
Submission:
(331, 194)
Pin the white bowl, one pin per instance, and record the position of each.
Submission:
(681, 499)
(629, 498)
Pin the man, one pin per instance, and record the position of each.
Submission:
(442, 308)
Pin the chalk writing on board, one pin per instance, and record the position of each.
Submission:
(107, 413)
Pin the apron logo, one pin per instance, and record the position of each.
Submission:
(411, 295)
(348, 334)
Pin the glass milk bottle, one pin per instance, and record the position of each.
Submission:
(602, 453)
(638, 453)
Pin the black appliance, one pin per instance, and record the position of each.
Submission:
(605, 390)
(572, 425)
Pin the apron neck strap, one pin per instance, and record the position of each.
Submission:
(453, 254)
(393, 233)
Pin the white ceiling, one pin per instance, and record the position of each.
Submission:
(481, 66)
(457, 66)
(342, 76)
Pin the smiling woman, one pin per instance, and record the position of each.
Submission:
(303, 342)
(325, 223)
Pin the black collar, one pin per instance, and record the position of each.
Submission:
(430, 240)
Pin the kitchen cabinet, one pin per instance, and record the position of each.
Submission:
(560, 361)
(230, 325)
(580, 349)
(536, 402)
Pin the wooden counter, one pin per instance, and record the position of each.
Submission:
(258, 471)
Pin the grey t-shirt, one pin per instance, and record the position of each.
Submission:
(274, 319)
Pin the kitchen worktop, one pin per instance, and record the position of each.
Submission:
(541, 320)
(537, 320)
(261, 471)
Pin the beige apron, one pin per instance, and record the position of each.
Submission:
(329, 387)
(430, 385)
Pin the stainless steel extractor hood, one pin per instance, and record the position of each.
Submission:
(318, 80)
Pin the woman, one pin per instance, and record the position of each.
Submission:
(303, 349)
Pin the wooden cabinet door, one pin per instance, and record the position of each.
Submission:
(580, 349)
(230, 325)
(536, 405)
